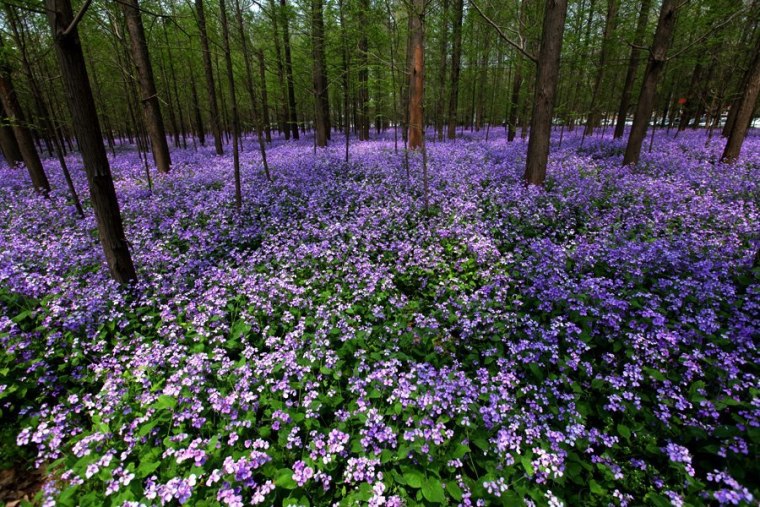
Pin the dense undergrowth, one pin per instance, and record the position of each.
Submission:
(592, 344)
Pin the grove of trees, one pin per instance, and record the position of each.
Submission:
(151, 72)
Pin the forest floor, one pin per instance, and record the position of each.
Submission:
(332, 341)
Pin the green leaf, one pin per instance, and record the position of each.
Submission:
(454, 490)
(433, 491)
(624, 431)
(527, 465)
(284, 479)
(146, 468)
(596, 488)
(414, 478)
(165, 402)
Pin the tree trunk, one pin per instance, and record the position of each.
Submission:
(85, 120)
(216, 128)
(233, 99)
(744, 110)
(8, 142)
(199, 128)
(416, 74)
(657, 59)
(264, 98)
(633, 65)
(21, 130)
(293, 119)
(456, 67)
(151, 108)
(319, 75)
(363, 96)
(546, 88)
(284, 112)
(440, 99)
(609, 26)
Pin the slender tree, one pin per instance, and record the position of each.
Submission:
(416, 74)
(233, 99)
(745, 108)
(546, 87)
(319, 75)
(657, 59)
(363, 74)
(293, 118)
(151, 108)
(633, 65)
(609, 26)
(87, 127)
(21, 131)
(456, 66)
(8, 143)
(216, 127)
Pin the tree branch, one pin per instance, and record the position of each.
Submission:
(77, 18)
(501, 33)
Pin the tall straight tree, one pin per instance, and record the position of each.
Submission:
(85, 120)
(8, 143)
(444, 47)
(633, 65)
(154, 123)
(456, 66)
(319, 74)
(594, 115)
(546, 87)
(363, 110)
(216, 127)
(657, 60)
(745, 107)
(233, 99)
(21, 132)
(293, 119)
(416, 74)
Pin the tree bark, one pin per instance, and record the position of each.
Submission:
(744, 110)
(546, 88)
(363, 74)
(594, 115)
(443, 57)
(264, 97)
(456, 67)
(233, 99)
(149, 100)
(657, 59)
(633, 65)
(216, 128)
(293, 119)
(319, 75)
(21, 130)
(85, 119)
(8, 142)
(416, 74)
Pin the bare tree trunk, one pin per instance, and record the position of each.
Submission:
(440, 100)
(546, 88)
(233, 99)
(173, 75)
(345, 78)
(264, 98)
(609, 26)
(293, 119)
(216, 128)
(363, 96)
(319, 75)
(85, 119)
(151, 108)
(456, 67)
(199, 128)
(744, 110)
(284, 114)
(251, 92)
(416, 74)
(633, 65)
(657, 59)
(20, 128)
(8, 142)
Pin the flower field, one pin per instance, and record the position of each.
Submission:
(592, 343)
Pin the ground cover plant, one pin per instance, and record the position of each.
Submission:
(592, 343)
